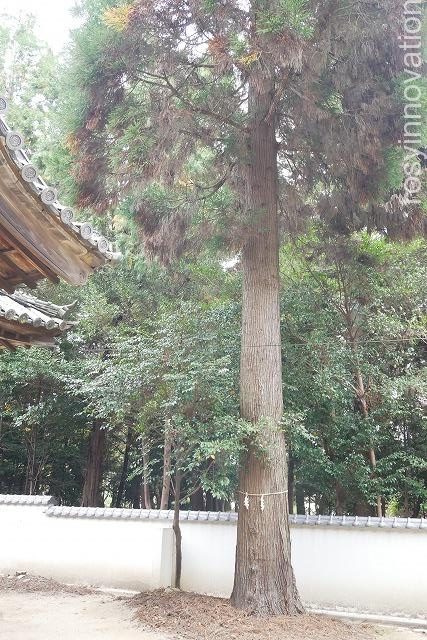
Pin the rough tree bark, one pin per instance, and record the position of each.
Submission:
(92, 485)
(264, 582)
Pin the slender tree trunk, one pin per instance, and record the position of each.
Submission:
(136, 489)
(177, 530)
(92, 485)
(417, 508)
(210, 501)
(32, 453)
(291, 484)
(264, 582)
(350, 316)
(299, 499)
(31, 462)
(361, 393)
(125, 467)
(167, 448)
(406, 509)
(340, 499)
(146, 474)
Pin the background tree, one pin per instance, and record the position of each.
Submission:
(381, 286)
(29, 82)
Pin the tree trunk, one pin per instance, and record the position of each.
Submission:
(299, 499)
(136, 490)
(340, 499)
(146, 475)
(361, 394)
(177, 530)
(417, 508)
(264, 582)
(92, 486)
(167, 449)
(125, 467)
(31, 461)
(30, 477)
(291, 484)
(210, 501)
(360, 389)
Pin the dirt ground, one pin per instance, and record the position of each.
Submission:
(38, 609)
(53, 616)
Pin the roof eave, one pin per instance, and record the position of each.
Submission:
(38, 225)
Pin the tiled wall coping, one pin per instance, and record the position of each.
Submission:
(415, 524)
(419, 524)
(37, 501)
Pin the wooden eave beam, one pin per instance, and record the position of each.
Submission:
(4, 257)
(7, 345)
(26, 252)
(35, 238)
(9, 284)
(47, 241)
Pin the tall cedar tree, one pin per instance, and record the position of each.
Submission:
(217, 116)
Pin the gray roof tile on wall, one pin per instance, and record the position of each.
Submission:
(138, 514)
(100, 513)
(231, 517)
(39, 501)
(359, 521)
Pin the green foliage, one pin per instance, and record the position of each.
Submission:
(383, 285)
(29, 81)
(293, 14)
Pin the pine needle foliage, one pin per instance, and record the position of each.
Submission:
(166, 84)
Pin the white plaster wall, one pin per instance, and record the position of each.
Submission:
(113, 553)
(208, 553)
(379, 570)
